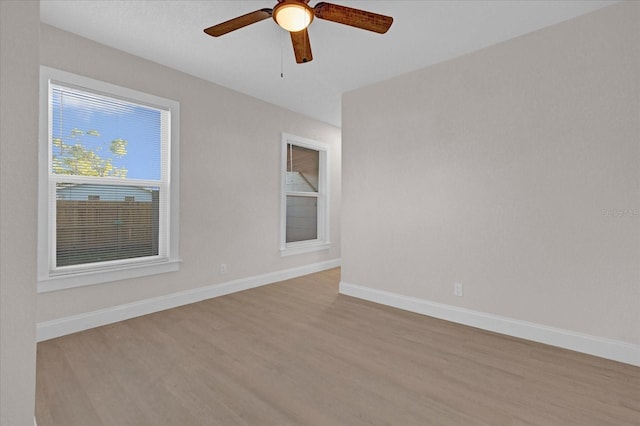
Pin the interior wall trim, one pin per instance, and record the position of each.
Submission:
(60, 327)
(605, 348)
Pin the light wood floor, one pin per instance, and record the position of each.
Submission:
(297, 353)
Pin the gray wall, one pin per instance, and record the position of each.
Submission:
(506, 170)
(229, 177)
(18, 195)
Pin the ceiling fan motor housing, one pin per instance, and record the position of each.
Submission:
(293, 15)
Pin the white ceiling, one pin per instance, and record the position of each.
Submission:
(250, 60)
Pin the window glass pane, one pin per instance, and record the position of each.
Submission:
(302, 219)
(303, 167)
(98, 223)
(94, 135)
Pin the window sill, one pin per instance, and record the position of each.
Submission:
(306, 248)
(81, 279)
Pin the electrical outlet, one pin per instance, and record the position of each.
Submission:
(457, 289)
(223, 268)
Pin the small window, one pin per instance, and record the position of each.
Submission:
(305, 216)
(103, 148)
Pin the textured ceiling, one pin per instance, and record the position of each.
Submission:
(251, 59)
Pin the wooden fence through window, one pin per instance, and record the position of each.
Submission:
(98, 231)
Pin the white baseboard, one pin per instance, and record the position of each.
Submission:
(598, 346)
(63, 326)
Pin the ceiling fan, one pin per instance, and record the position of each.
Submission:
(296, 15)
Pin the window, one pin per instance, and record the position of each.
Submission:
(305, 201)
(108, 182)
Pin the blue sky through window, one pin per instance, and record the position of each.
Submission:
(114, 119)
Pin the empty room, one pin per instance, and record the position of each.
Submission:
(283, 212)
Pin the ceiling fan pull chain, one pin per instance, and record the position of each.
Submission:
(283, 42)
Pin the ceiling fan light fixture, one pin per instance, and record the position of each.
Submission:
(293, 16)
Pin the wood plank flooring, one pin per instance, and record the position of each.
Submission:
(298, 353)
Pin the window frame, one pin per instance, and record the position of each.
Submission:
(50, 279)
(322, 242)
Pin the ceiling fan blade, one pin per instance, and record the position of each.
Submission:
(354, 17)
(239, 22)
(302, 46)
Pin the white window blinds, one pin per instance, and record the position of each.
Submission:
(108, 180)
(304, 219)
